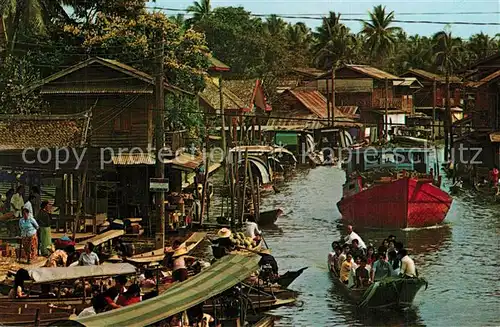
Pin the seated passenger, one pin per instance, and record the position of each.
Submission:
(88, 257)
(362, 275)
(345, 269)
(356, 250)
(371, 257)
(333, 258)
(394, 262)
(17, 291)
(252, 229)
(408, 269)
(345, 250)
(99, 305)
(131, 296)
(381, 268)
(149, 279)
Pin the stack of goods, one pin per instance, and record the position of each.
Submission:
(239, 240)
(133, 226)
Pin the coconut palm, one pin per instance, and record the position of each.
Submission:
(335, 44)
(482, 45)
(417, 53)
(275, 26)
(381, 36)
(447, 51)
(298, 35)
(200, 10)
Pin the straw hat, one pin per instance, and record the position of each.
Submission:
(115, 257)
(224, 233)
(180, 252)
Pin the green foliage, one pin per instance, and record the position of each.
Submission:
(381, 36)
(15, 75)
(137, 42)
(184, 113)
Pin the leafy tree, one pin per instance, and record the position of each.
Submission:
(381, 36)
(416, 52)
(137, 42)
(184, 113)
(21, 16)
(299, 41)
(15, 75)
(236, 39)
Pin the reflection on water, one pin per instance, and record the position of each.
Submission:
(459, 259)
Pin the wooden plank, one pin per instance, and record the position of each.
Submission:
(159, 254)
(101, 238)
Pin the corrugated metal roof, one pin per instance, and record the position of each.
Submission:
(485, 80)
(311, 72)
(186, 161)
(411, 82)
(217, 65)
(315, 102)
(113, 64)
(43, 131)
(431, 76)
(221, 276)
(363, 69)
(291, 124)
(211, 96)
(130, 159)
(349, 111)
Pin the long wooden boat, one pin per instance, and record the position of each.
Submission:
(269, 217)
(391, 292)
(101, 238)
(157, 255)
(401, 201)
(287, 278)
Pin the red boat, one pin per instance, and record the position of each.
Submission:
(394, 202)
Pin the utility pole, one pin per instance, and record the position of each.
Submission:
(333, 94)
(160, 143)
(223, 125)
(386, 126)
(434, 90)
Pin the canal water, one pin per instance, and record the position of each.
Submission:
(460, 260)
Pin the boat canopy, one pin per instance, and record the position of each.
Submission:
(279, 151)
(50, 275)
(101, 238)
(265, 173)
(221, 276)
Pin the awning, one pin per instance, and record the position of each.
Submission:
(265, 176)
(186, 161)
(51, 275)
(495, 137)
(224, 274)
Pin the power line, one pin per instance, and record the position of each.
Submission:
(321, 17)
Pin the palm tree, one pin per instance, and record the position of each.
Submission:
(275, 26)
(381, 36)
(417, 53)
(200, 10)
(446, 57)
(482, 45)
(179, 20)
(298, 35)
(335, 44)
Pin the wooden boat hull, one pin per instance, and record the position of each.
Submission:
(269, 217)
(402, 203)
(390, 293)
(287, 278)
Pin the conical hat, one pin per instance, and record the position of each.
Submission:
(224, 233)
(115, 257)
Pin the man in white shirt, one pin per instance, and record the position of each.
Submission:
(17, 202)
(407, 265)
(252, 229)
(29, 205)
(88, 258)
(351, 235)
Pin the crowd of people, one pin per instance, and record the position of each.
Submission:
(359, 266)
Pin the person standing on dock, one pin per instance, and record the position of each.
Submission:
(44, 219)
(351, 235)
(17, 202)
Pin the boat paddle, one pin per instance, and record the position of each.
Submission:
(263, 239)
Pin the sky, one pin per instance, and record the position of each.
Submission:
(449, 10)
